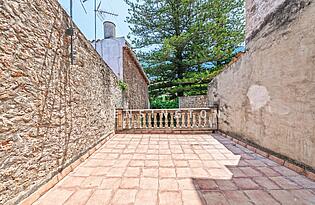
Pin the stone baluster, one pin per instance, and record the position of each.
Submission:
(119, 120)
(172, 120)
(183, 125)
(188, 119)
(155, 120)
(161, 120)
(194, 120)
(149, 120)
(166, 119)
(127, 121)
(177, 119)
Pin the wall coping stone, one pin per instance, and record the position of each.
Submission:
(292, 164)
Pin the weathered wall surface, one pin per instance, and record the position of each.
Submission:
(257, 11)
(199, 101)
(268, 96)
(50, 112)
(136, 95)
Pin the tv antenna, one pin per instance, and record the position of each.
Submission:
(98, 12)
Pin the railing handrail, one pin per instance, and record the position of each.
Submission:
(179, 109)
(157, 119)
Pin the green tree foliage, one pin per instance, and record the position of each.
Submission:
(183, 44)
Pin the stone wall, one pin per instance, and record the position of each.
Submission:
(198, 101)
(268, 97)
(136, 96)
(50, 112)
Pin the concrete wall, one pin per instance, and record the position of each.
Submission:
(111, 51)
(198, 101)
(136, 95)
(50, 112)
(257, 12)
(268, 97)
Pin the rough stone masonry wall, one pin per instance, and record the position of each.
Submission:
(136, 96)
(50, 112)
(268, 97)
(198, 101)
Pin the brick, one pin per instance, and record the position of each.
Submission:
(226, 184)
(262, 153)
(266, 183)
(82, 171)
(124, 196)
(305, 196)
(147, 197)
(130, 183)
(71, 181)
(170, 198)
(168, 184)
(251, 148)
(190, 197)
(150, 172)
(293, 167)
(132, 172)
(242, 143)
(166, 163)
(183, 172)
(205, 184)
(256, 163)
(260, 197)
(181, 163)
(250, 172)
(268, 172)
(55, 196)
(236, 198)
(310, 175)
(186, 184)
(214, 198)
(80, 197)
(100, 171)
(167, 172)
(100, 197)
(110, 183)
(303, 181)
(285, 183)
(199, 173)
(284, 171)
(285, 197)
(276, 159)
(92, 181)
(237, 172)
(221, 173)
(149, 183)
(245, 183)
(151, 163)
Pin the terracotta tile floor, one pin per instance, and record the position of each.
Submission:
(179, 169)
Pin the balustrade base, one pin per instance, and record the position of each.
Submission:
(166, 131)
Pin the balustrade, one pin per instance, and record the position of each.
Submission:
(156, 119)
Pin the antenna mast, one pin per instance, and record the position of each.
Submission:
(102, 15)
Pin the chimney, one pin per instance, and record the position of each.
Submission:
(109, 29)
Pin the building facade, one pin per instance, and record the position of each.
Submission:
(117, 53)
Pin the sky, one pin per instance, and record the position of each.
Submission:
(86, 21)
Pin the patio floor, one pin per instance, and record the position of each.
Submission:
(179, 169)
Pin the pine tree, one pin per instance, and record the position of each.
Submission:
(183, 44)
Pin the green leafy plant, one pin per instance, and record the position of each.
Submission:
(163, 103)
(122, 85)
